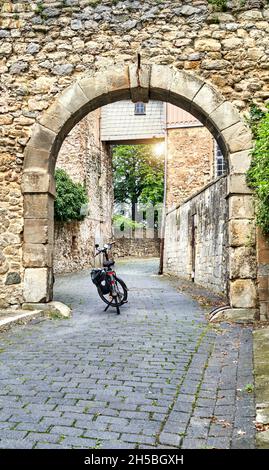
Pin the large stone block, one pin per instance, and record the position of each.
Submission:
(55, 117)
(36, 182)
(42, 138)
(237, 184)
(37, 255)
(38, 206)
(243, 293)
(183, 89)
(243, 262)
(235, 315)
(37, 159)
(139, 83)
(105, 87)
(36, 285)
(53, 309)
(160, 82)
(237, 137)
(241, 233)
(118, 83)
(73, 99)
(241, 207)
(38, 231)
(207, 99)
(240, 162)
(224, 116)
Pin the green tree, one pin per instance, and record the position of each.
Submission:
(70, 197)
(258, 174)
(138, 175)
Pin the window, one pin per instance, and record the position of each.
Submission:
(220, 164)
(140, 108)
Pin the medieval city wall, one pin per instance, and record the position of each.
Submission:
(46, 46)
(196, 243)
(190, 162)
(87, 161)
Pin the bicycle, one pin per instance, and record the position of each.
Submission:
(112, 290)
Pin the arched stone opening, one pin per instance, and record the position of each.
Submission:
(138, 84)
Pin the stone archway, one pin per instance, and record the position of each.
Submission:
(138, 84)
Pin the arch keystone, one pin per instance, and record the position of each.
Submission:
(139, 82)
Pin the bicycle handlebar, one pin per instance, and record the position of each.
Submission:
(103, 250)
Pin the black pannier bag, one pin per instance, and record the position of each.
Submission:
(96, 275)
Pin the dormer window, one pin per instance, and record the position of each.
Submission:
(140, 108)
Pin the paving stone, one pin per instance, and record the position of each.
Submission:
(122, 381)
(170, 439)
(218, 442)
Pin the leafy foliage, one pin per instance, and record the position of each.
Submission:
(138, 174)
(258, 174)
(70, 197)
(121, 222)
(220, 5)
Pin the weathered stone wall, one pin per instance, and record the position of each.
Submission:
(190, 162)
(263, 274)
(87, 161)
(206, 213)
(137, 247)
(44, 48)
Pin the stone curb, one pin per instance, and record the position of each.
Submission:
(261, 375)
(10, 318)
(52, 309)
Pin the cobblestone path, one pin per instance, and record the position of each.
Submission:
(156, 376)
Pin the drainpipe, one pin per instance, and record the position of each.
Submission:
(164, 190)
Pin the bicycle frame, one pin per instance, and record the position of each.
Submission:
(116, 295)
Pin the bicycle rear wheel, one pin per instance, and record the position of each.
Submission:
(122, 294)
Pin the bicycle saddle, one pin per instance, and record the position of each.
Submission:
(109, 263)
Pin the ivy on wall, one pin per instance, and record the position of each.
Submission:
(258, 174)
(70, 198)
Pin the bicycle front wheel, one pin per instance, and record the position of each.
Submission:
(122, 294)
